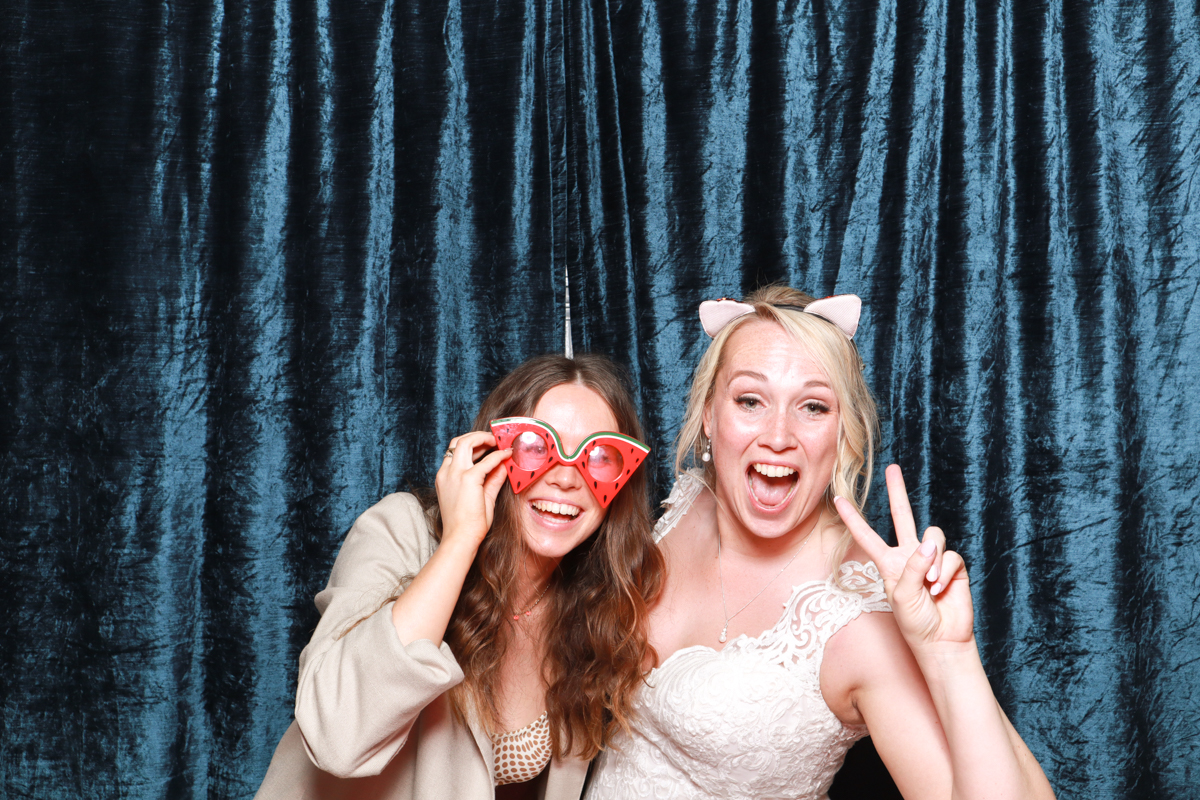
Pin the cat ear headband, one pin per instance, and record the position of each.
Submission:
(842, 310)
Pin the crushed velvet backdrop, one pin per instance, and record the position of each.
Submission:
(260, 261)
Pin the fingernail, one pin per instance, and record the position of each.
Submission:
(932, 575)
(936, 590)
(928, 549)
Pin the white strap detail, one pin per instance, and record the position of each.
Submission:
(687, 488)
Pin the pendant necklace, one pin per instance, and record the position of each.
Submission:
(724, 609)
(546, 588)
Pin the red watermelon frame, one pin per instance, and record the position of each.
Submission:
(632, 451)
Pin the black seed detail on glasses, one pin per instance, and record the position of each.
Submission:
(518, 484)
(595, 485)
(606, 498)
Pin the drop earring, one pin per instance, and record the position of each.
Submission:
(707, 455)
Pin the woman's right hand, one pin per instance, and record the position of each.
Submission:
(467, 489)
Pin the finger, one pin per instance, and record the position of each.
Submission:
(938, 538)
(495, 480)
(902, 516)
(444, 473)
(490, 462)
(875, 547)
(457, 455)
(451, 450)
(912, 579)
(478, 442)
(952, 568)
(447, 457)
(471, 443)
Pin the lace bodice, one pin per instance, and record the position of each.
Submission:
(749, 720)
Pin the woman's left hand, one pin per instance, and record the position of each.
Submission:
(926, 585)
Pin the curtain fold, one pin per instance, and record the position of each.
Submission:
(260, 261)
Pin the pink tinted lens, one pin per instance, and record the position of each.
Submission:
(529, 451)
(605, 462)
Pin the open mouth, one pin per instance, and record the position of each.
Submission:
(771, 485)
(558, 512)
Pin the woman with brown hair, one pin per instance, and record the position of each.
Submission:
(465, 645)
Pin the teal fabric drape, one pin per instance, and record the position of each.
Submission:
(260, 261)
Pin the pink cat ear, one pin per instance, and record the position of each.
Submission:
(842, 310)
(716, 314)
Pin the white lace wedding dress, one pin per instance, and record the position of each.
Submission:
(748, 721)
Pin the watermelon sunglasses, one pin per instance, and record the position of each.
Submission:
(606, 459)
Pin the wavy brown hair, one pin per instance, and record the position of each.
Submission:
(595, 640)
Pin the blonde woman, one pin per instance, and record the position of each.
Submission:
(512, 637)
(788, 629)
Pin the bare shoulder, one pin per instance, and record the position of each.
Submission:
(679, 545)
(868, 654)
(690, 589)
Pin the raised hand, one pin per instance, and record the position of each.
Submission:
(927, 587)
(467, 489)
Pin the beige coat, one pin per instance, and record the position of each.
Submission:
(372, 718)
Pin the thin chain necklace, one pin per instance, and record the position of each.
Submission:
(720, 574)
(546, 588)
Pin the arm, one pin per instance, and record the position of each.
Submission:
(360, 689)
(365, 677)
(957, 746)
(467, 493)
(932, 713)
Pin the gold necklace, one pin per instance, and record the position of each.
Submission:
(721, 575)
(529, 611)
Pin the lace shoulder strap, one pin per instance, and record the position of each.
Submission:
(819, 609)
(863, 580)
(687, 488)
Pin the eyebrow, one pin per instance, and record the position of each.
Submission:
(749, 373)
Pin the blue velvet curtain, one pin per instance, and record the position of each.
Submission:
(260, 260)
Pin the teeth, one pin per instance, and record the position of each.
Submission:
(556, 508)
(772, 471)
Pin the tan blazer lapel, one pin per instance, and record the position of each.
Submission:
(565, 781)
(484, 743)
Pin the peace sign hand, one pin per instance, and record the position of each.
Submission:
(927, 588)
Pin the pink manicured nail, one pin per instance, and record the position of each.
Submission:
(928, 549)
(936, 590)
(932, 575)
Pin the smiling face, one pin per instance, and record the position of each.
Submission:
(773, 423)
(558, 511)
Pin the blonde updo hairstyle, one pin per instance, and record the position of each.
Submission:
(858, 423)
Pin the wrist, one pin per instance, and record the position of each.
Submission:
(956, 679)
(458, 544)
(942, 660)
